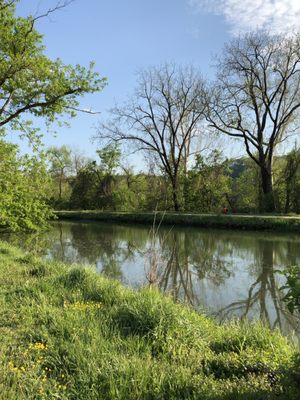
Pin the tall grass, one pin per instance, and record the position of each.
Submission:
(67, 333)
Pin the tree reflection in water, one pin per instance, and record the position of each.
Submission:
(229, 273)
(188, 259)
(265, 290)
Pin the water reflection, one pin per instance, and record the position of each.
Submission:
(230, 274)
(263, 296)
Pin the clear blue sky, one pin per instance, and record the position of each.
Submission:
(122, 36)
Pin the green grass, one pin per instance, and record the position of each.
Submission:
(68, 333)
(231, 221)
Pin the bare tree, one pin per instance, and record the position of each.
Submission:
(256, 98)
(79, 160)
(162, 118)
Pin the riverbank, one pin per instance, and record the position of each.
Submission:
(69, 333)
(230, 221)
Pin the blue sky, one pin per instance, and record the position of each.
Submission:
(123, 36)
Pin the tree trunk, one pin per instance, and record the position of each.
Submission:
(175, 196)
(60, 185)
(287, 199)
(267, 201)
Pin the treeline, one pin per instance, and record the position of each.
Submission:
(211, 184)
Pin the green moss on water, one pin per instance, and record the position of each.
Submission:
(68, 333)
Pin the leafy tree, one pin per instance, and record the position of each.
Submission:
(30, 83)
(292, 181)
(131, 191)
(157, 189)
(84, 187)
(109, 161)
(61, 163)
(24, 187)
(207, 184)
(245, 190)
(256, 98)
(110, 158)
(96, 185)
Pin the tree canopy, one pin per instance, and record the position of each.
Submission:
(31, 84)
(24, 190)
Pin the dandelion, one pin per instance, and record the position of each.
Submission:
(38, 346)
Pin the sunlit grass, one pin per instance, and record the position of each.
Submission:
(68, 333)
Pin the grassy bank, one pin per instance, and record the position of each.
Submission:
(247, 222)
(67, 333)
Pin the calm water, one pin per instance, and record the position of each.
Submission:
(225, 273)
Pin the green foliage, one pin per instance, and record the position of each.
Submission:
(60, 167)
(207, 187)
(84, 186)
(95, 185)
(207, 184)
(31, 83)
(292, 288)
(157, 193)
(132, 194)
(24, 185)
(105, 195)
(98, 186)
(291, 181)
(110, 158)
(245, 189)
(60, 158)
(70, 334)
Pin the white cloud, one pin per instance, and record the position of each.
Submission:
(277, 16)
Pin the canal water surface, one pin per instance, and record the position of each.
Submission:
(229, 274)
